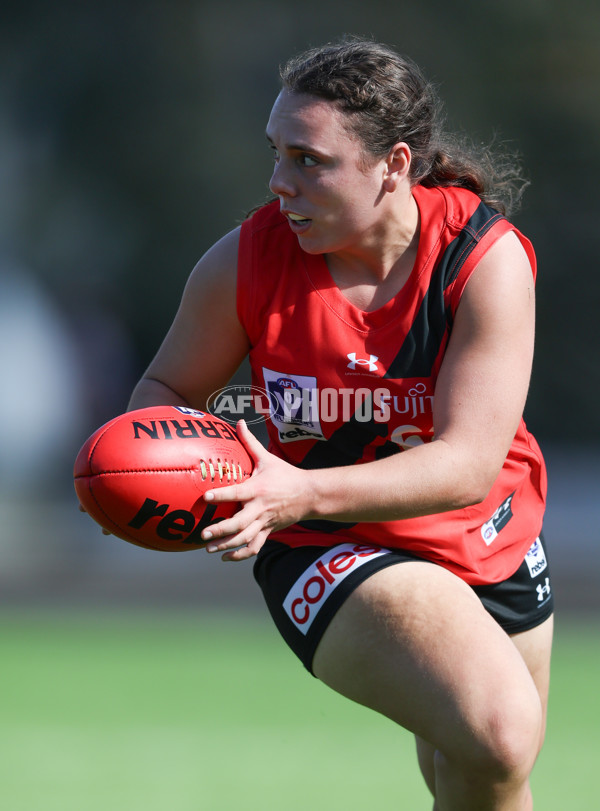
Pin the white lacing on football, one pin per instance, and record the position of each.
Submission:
(224, 469)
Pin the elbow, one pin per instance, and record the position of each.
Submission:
(475, 487)
(470, 480)
(461, 498)
(470, 471)
(473, 496)
(150, 391)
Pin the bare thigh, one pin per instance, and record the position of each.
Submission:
(414, 643)
(535, 646)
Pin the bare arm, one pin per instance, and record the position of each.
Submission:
(479, 400)
(206, 342)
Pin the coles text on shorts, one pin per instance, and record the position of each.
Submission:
(313, 587)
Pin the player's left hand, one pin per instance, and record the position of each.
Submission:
(275, 496)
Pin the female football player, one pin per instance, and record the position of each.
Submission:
(386, 304)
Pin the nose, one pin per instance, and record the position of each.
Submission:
(281, 183)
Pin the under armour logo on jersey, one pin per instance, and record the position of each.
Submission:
(371, 361)
(543, 591)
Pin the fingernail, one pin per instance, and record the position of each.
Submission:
(209, 496)
(211, 548)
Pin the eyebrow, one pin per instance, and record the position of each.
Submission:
(297, 147)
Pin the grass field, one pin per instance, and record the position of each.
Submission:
(147, 713)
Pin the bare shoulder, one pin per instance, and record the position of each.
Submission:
(206, 342)
(502, 284)
(209, 299)
(506, 259)
(218, 267)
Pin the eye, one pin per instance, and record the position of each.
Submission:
(275, 154)
(308, 160)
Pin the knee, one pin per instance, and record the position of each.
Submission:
(504, 747)
(514, 744)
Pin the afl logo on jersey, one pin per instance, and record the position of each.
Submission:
(294, 405)
(287, 383)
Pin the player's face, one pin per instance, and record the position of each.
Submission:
(328, 188)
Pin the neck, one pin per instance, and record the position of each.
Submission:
(389, 248)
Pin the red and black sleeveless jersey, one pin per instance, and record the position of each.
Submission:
(347, 387)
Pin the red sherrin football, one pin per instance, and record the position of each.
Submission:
(142, 476)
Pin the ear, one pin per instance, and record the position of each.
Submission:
(397, 166)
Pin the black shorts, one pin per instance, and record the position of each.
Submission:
(304, 587)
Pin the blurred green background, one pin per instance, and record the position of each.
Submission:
(131, 138)
(161, 710)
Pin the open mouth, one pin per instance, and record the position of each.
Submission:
(297, 218)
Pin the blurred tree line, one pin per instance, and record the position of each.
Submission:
(131, 138)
